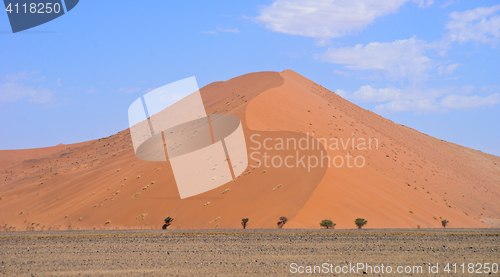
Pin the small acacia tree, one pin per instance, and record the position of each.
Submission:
(168, 221)
(327, 223)
(444, 222)
(360, 222)
(282, 221)
(244, 222)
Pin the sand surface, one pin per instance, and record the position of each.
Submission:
(238, 252)
(411, 180)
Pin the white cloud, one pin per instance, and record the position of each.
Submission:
(129, 90)
(446, 4)
(398, 59)
(415, 99)
(468, 102)
(342, 93)
(479, 25)
(370, 94)
(325, 19)
(17, 76)
(222, 30)
(448, 69)
(343, 73)
(490, 88)
(15, 89)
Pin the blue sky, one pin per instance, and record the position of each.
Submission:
(429, 65)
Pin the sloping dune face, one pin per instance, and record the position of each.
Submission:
(312, 156)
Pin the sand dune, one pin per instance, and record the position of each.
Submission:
(411, 180)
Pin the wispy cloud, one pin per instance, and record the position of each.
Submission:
(447, 3)
(129, 90)
(447, 70)
(325, 19)
(20, 86)
(222, 30)
(421, 100)
(479, 25)
(399, 59)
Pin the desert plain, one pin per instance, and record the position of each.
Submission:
(256, 252)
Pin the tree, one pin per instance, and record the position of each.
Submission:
(168, 221)
(282, 221)
(360, 222)
(327, 223)
(244, 222)
(444, 222)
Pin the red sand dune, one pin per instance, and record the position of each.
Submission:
(412, 179)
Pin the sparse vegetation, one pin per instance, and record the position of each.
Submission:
(360, 222)
(244, 222)
(107, 222)
(282, 222)
(168, 222)
(135, 195)
(277, 187)
(225, 191)
(206, 204)
(444, 222)
(327, 223)
(145, 188)
(141, 217)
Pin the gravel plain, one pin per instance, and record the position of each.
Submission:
(256, 252)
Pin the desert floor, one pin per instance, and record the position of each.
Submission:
(259, 252)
